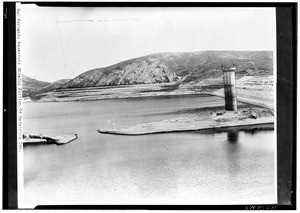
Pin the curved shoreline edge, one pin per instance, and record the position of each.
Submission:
(168, 126)
(48, 139)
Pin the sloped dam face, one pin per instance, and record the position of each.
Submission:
(231, 167)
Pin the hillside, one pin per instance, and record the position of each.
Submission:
(176, 67)
(201, 69)
(31, 85)
(56, 84)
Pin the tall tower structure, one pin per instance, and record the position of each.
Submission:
(229, 87)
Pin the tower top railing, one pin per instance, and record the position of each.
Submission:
(228, 67)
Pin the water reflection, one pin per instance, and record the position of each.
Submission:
(233, 158)
(259, 128)
(38, 144)
(233, 136)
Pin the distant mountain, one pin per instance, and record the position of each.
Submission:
(56, 84)
(179, 68)
(176, 67)
(31, 86)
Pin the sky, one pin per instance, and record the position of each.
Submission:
(60, 43)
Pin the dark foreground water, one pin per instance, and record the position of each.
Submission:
(234, 167)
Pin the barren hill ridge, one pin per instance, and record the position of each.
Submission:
(172, 67)
(182, 68)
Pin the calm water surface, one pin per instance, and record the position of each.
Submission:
(177, 168)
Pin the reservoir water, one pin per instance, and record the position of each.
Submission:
(235, 167)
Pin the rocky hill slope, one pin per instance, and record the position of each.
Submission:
(176, 67)
(31, 86)
(56, 84)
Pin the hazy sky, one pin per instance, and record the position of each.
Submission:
(65, 42)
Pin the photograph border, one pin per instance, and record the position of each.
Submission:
(286, 24)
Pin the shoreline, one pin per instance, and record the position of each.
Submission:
(206, 121)
(119, 92)
(249, 92)
(127, 97)
(245, 127)
(48, 139)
